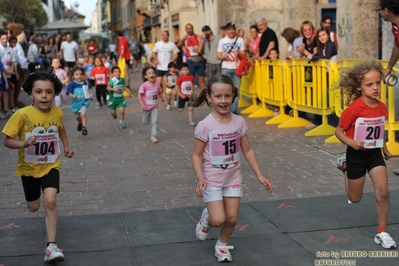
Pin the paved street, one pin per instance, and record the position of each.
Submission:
(116, 170)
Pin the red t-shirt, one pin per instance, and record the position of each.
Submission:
(186, 84)
(92, 48)
(359, 109)
(395, 32)
(190, 44)
(123, 43)
(100, 75)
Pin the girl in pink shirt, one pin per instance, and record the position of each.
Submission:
(219, 138)
(148, 98)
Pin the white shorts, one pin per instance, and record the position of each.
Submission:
(217, 193)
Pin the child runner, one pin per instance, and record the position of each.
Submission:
(361, 128)
(81, 96)
(4, 87)
(63, 77)
(35, 131)
(216, 162)
(184, 88)
(170, 82)
(116, 87)
(88, 67)
(148, 98)
(100, 74)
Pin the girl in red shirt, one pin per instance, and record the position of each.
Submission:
(361, 128)
(100, 75)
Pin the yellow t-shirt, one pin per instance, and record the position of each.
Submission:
(38, 159)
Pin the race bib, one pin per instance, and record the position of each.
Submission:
(224, 147)
(45, 150)
(152, 97)
(100, 79)
(86, 91)
(371, 131)
(187, 87)
(119, 93)
(172, 80)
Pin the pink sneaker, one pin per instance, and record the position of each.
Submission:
(52, 254)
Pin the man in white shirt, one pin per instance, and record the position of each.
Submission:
(164, 52)
(69, 51)
(230, 50)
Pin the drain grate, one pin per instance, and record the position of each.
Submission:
(145, 132)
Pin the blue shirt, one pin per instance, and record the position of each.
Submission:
(88, 68)
(76, 88)
(1, 71)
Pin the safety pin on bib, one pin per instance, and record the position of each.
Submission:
(391, 80)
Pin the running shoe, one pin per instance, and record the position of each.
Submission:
(222, 253)
(385, 240)
(202, 228)
(341, 163)
(52, 254)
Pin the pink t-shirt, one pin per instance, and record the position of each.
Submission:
(221, 159)
(149, 94)
(61, 74)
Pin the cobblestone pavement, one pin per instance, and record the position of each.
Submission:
(121, 170)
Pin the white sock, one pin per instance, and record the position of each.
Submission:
(221, 243)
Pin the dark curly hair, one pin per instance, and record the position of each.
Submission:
(392, 5)
(48, 75)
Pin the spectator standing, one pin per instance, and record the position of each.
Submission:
(210, 47)
(230, 49)
(124, 53)
(69, 52)
(193, 54)
(268, 40)
(163, 53)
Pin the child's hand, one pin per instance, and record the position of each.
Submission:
(29, 142)
(200, 184)
(68, 152)
(387, 154)
(357, 144)
(265, 183)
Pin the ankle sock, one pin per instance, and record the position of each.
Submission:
(381, 229)
(221, 243)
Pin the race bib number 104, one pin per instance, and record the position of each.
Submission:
(45, 150)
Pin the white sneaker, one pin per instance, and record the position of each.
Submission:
(385, 240)
(175, 103)
(52, 254)
(168, 107)
(202, 228)
(222, 253)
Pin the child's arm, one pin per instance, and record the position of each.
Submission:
(18, 144)
(250, 155)
(63, 136)
(355, 144)
(199, 147)
(165, 81)
(177, 89)
(3, 73)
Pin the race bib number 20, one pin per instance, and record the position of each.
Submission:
(371, 131)
(45, 150)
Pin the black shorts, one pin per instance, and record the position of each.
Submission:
(34, 186)
(182, 102)
(358, 161)
(70, 64)
(161, 73)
